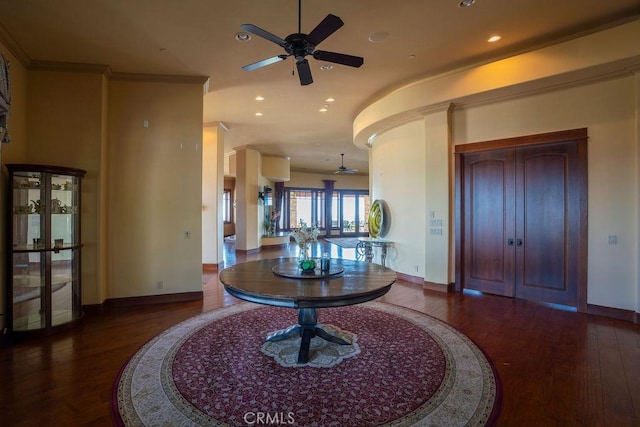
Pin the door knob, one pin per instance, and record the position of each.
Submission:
(509, 242)
(518, 242)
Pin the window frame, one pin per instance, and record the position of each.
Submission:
(227, 206)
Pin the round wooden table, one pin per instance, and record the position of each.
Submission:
(278, 282)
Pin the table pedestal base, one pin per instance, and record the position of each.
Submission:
(306, 328)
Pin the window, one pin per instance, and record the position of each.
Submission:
(306, 206)
(227, 200)
(349, 209)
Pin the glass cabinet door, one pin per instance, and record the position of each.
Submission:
(64, 210)
(28, 228)
(65, 302)
(44, 289)
(28, 210)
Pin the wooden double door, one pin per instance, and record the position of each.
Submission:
(522, 231)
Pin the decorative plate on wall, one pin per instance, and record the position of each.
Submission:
(377, 226)
(5, 99)
(5, 87)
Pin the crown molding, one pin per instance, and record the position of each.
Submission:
(612, 70)
(73, 67)
(12, 45)
(219, 125)
(158, 78)
(276, 156)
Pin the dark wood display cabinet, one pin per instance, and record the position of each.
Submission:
(43, 249)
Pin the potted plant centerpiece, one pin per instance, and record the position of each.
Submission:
(304, 237)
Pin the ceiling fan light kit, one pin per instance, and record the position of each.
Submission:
(300, 45)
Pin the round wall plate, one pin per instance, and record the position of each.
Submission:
(376, 219)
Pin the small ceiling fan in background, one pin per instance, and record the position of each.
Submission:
(299, 45)
(344, 170)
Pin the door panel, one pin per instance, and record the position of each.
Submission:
(547, 201)
(521, 221)
(355, 210)
(489, 222)
(348, 214)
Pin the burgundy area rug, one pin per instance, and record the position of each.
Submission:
(406, 368)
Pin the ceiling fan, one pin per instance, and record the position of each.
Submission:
(299, 45)
(343, 169)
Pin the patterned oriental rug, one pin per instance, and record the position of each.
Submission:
(403, 368)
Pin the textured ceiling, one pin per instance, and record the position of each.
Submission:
(196, 37)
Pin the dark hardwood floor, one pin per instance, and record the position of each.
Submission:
(557, 368)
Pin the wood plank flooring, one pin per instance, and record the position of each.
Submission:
(557, 368)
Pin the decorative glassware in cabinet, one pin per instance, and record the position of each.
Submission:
(43, 278)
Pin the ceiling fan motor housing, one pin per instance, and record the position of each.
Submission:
(299, 46)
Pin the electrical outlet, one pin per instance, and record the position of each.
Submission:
(160, 284)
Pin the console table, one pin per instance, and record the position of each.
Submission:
(365, 248)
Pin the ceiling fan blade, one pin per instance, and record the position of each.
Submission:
(329, 25)
(338, 58)
(345, 171)
(264, 62)
(304, 72)
(263, 33)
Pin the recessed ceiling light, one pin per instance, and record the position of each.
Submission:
(258, 114)
(412, 57)
(243, 37)
(466, 3)
(326, 67)
(329, 99)
(259, 98)
(493, 39)
(378, 37)
(323, 110)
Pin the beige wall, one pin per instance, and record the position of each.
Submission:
(65, 122)
(155, 188)
(397, 178)
(143, 186)
(598, 91)
(249, 210)
(212, 189)
(312, 180)
(64, 114)
(608, 110)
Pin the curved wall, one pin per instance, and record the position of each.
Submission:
(588, 82)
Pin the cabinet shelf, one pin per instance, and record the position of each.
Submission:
(31, 248)
(44, 246)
